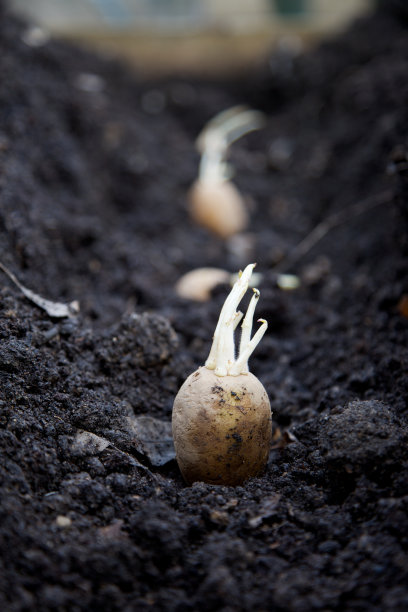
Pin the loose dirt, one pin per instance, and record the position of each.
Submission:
(95, 165)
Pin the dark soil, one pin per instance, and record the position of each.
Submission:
(93, 182)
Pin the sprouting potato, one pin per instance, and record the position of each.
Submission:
(214, 201)
(218, 206)
(221, 414)
(221, 427)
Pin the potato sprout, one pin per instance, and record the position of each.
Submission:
(215, 202)
(221, 414)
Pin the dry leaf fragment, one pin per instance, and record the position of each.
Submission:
(88, 443)
(57, 310)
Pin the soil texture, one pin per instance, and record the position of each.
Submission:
(95, 165)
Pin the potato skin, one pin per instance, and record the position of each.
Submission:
(222, 428)
(219, 207)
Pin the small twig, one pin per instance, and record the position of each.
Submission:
(324, 227)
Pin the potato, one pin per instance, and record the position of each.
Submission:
(198, 284)
(219, 207)
(221, 427)
(214, 201)
(221, 414)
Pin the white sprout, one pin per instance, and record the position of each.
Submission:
(219, 133)
(222, 354)
(247, 323)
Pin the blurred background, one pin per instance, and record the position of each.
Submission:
(205, 36)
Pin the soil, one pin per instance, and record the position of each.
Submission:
(95, 165)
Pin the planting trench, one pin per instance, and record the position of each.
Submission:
(94, 512)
